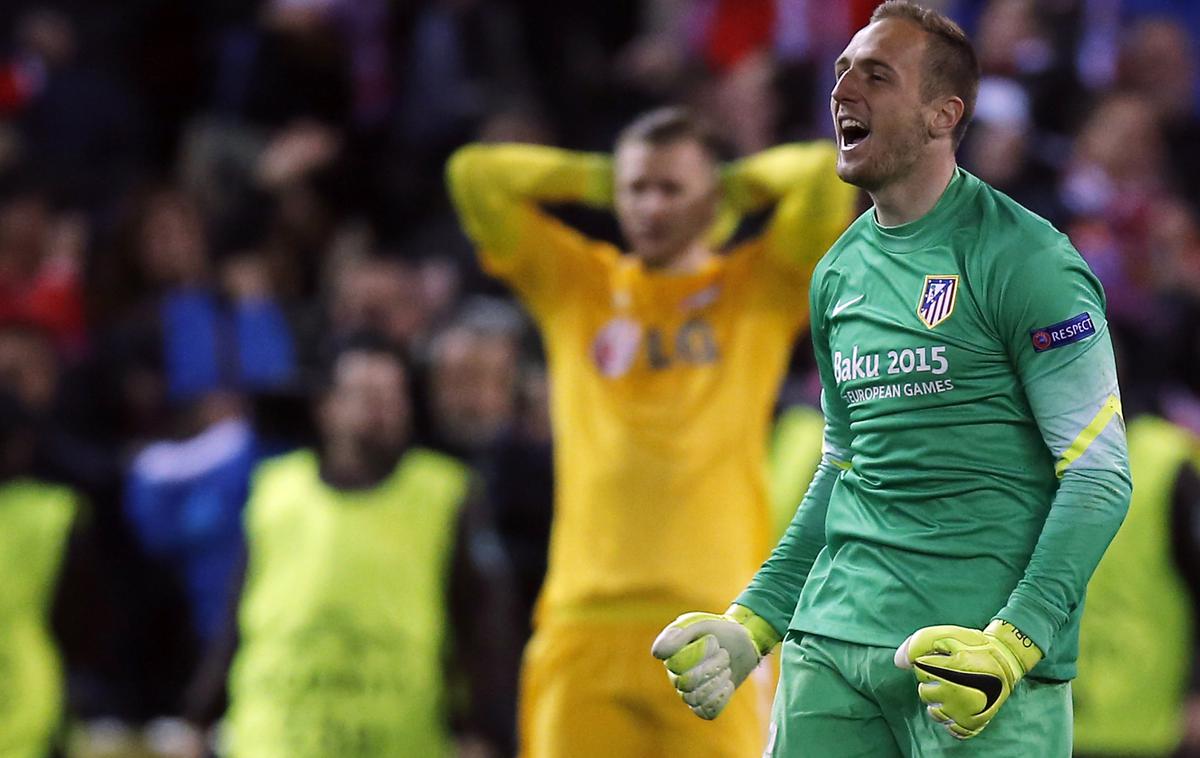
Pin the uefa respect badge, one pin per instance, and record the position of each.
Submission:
(1063, 333)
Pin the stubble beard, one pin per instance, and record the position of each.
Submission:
(662, 258)
(895, 163)
(360, 460)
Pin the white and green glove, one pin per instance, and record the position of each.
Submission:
(708, 655)
(967, 674)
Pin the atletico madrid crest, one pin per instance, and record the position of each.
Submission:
(937, 299)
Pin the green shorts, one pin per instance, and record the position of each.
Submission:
(841, 700)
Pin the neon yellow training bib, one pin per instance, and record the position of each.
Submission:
(342, 617)
(35, 519)
(1135, 641)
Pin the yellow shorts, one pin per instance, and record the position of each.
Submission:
(594, 690)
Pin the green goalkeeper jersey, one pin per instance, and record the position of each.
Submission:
(975, 463)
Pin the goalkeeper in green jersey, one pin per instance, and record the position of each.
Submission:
(975, 469)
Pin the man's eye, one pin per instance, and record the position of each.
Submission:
(878, 78)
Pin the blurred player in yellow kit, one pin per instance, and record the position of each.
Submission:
(664, 366)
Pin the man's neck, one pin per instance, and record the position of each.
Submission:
(916, 194)
(690, 259)
(346, 466)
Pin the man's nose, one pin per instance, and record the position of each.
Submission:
(654, 203)
(845, 88)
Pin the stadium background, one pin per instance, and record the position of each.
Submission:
(197, 200)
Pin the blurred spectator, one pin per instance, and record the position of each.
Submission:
(159, 244)
(1115, 176)
(570, 49)
(1000, 149)
(364, 556)
(488, 406)
(32, 372)
(29, 367)
(1115, 188)
(184, 501)
(185, 341)
(1158, 61)
(291, 65)
(455, 63)
(760, 69)
(35, 520)
(519, 476)
(283, 193)
(462, 57)
(366, 30)
(1185, 13)
(40, 258)
(1016, 40)
(1173, 246)
(1138, 638)
(90, 618)
(42, 539)
(301, 181)
(162, 56)
(177, 327)
(72, 112)
(381, 294)
(735, 40)
(472, 377)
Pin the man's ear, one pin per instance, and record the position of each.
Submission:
(948, 113)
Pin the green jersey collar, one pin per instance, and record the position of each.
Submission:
(919, 234)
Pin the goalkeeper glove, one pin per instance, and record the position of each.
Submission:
(966, 674)
(708, 655)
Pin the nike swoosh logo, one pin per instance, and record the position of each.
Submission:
(844, 305)
(990, 686)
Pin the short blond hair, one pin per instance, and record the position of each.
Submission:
(674, 123)
(951, 66)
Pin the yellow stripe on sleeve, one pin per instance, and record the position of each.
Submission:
(1111, 407)
(837, 457)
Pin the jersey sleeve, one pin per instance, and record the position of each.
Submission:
(497, 191)
(775, 589)
(812, 205)
(1051, 316)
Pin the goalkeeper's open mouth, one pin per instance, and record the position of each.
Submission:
(851, 132)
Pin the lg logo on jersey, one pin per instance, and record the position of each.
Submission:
(618, 343)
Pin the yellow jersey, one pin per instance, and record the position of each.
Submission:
(661, 385)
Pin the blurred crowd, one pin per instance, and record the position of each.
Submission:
(201, 203)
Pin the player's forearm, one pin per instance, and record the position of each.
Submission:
(489, 184)
(811, 206)
(762, 179)
(1086, 513)
(1076, 403)
(774, 590)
